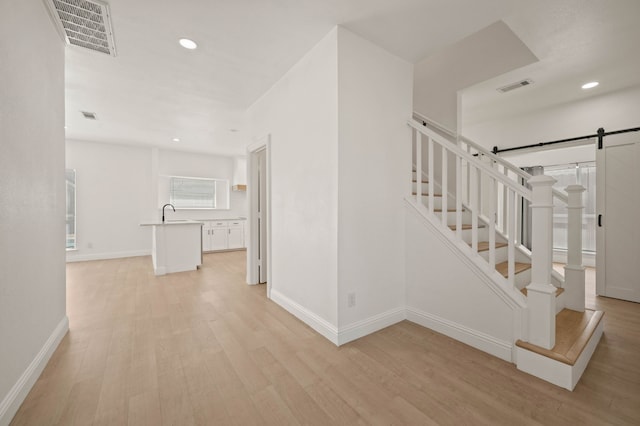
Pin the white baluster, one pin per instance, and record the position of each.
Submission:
(475, 207)
(431, 173)
(419, 168)
(445, 185)
(511, 264)
(492, 223)
(458, 198)
(574, 270)
(541, 294)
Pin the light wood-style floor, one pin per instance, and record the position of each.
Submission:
(205, 348)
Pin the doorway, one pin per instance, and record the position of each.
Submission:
(259, 217)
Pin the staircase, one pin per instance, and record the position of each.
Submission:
(477, 201)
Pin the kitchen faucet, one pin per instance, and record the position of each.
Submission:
(163, 207)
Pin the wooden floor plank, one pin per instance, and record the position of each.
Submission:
(204, 348)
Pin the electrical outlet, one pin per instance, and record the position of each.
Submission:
(90, 245)
(351, 300)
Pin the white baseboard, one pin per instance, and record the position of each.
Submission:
(319, 324)
(12, 401)
(496, 347)
(73, 257)
(370, 325)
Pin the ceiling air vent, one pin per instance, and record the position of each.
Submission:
(514, 86)
(89, 115)
(84, 23)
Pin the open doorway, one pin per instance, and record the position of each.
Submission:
(259, 247)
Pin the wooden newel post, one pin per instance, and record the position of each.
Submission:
(541, 294)
(574, 270)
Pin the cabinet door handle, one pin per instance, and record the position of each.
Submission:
(600, 220)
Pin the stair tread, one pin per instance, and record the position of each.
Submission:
(424, 194)
(559, 291)
(573, 332)
(484, 245)
(503, 268)
(448, 210)
(423, 181)
(464, 227)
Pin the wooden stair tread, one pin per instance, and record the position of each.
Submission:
(484, 245)
(573, 332)
(424, 194)
(464, 227)
(503, 268)
(448, 210)
(424, 181)
(559, 291)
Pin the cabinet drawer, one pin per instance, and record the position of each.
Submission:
(235, 224)
(219, 224)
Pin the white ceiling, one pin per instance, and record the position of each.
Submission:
(154, 90)
(576, 41)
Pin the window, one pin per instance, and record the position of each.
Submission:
(583, 174)
(192, 193)
(70, 184)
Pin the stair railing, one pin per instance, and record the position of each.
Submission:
(491, 189)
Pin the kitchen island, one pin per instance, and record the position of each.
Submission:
(176, 246)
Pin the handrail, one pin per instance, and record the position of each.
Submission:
(520, 189)
(560, 195)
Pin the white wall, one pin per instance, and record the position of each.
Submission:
(445, 294)
(300, 112)
(113, 196)
(613, 111)
(374, 154)
(32, 190)
(118, 187)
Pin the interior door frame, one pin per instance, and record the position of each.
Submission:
(253, 241)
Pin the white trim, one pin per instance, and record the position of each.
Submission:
(12, 401)
(370, 325)
(261, 143)
(105, 256)
(319, 324)
(489, 344)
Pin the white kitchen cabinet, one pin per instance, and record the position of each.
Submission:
(223, 235)
(235, 235)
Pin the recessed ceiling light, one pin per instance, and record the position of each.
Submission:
(590, 85)
(233, 130)
(176, 139)
(187, 43)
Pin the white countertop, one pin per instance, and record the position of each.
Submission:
(173, 222)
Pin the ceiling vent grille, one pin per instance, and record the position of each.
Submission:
(84, 23)
(514, 86)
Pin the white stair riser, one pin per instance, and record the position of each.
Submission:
(425, 187)
(483, 234)
(560, 303)
(501, 254)
(523, 279)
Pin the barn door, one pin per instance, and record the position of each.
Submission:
(618, 220)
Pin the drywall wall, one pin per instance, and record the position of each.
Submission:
(489, 52)
(118, 187)
(32, 189)
(300, 112)
(113, 197)
(445, 294)
(612, 111)
(374, 154)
